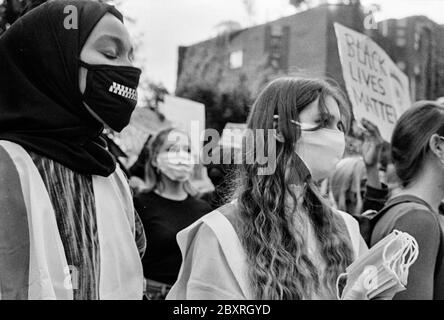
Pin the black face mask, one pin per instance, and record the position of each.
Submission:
(111, 93)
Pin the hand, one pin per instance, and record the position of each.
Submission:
(372, 146)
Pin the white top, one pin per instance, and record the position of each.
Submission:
(121, 274)
(214, 263)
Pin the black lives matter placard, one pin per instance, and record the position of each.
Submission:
(377, 89)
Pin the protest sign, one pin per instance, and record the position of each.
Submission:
(377, 88)
(188, 116)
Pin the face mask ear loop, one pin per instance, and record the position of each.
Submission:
(412, 252)
(384, 252)
(403, 264)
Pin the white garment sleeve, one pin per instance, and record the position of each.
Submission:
(362, 247)
(210, 278)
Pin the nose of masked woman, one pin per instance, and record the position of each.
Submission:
(177, 166)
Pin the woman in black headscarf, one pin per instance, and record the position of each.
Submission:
(67, 223)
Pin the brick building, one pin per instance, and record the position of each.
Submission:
(303, 44)
(416, 44)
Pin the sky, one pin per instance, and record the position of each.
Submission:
(161, 26)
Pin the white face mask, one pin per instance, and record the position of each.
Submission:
(178, 166)
(385, 267)
(321, 150)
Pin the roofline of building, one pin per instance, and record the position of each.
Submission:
(321, 6)
(414, 16)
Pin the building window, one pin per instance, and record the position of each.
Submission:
(384, 28)
(402, 23)
(277, 42)
(401, 37)
(236, 59)
(417, 40)
(401, 42)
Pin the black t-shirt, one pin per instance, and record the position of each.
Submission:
(162, 219)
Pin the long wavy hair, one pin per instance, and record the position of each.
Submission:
(272, 229)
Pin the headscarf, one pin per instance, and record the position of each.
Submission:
(41, 105)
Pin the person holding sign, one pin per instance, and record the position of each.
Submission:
(418, 156)
(354, 177)
(355, 185)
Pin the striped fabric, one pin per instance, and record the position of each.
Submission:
(72, 197)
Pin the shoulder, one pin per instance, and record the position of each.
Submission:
(354, 232)
(8, 170)
(211, 225)
(231, 212)
(206, 237)
(143, 198)
(6, 162)
(351, 223)
(186, 237)
(11, 194)
(199, 204)
(411, 215)
(413, 218)
(417, 219)
(144, 194)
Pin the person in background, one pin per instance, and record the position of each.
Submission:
(136, 172)
(355, 183)
(166, 206)
(67, 221)
(392, 179)
(222, 176)
(418, 156)
(347, 184)
(278, 239)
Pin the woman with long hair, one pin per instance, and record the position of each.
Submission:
(166, 205)
(278, 239)
(418, 157)
(67, 221)
(355, 184)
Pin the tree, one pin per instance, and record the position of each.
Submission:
(229, 105)
(202, 92)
